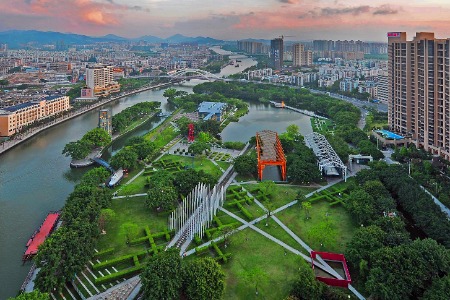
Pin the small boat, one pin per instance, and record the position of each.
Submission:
(236, 66)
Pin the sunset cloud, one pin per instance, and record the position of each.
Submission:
(231, 19)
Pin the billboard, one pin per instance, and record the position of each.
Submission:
(393, 34)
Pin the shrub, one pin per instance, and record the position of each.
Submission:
(118, 275)
(104, 252)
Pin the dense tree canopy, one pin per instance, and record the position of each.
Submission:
(130, 114)
(245, 164)
(162, 277)
(203, 279)
(125, 158)
(34, 295)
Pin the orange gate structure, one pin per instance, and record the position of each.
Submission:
(270, 152)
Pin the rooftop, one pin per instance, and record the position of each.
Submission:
(211, 107)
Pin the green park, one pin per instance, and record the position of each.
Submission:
(258, 243)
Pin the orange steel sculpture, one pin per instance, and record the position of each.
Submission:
(270, 152)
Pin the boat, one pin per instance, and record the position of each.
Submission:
(41, 234)
(237, 60)
(236, 66)
(116, 177)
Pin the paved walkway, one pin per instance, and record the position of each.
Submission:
(438, 203)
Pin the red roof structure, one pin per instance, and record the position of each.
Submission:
(40, 235)
(333, 257)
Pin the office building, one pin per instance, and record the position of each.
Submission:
(14, 118)
(276, 53)
(419, 85)
(100, 78)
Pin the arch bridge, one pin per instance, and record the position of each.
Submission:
(197, 73)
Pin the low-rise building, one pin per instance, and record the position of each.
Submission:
(211, 110)
(14, 118)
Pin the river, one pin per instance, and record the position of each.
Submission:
(35, 178)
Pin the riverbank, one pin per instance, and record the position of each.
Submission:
(8, 145)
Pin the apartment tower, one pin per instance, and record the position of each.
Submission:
(300, 56)
(276, 53)
(100, 78)
(419, 90)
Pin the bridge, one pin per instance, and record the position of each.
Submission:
(103, 163)
(329, 162)
(270, 152)
(184, 74)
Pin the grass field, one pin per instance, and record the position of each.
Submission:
(258, 261)
(131, 216)
(198, 163)
(331, 226)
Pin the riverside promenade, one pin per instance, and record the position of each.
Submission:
(9, 144)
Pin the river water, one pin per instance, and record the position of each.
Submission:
(35, 178)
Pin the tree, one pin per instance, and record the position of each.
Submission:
(438, 290)
(292, 131)
(306, 205)
(203, 279)
(185, 180)
(162, 197)
(170, 93)
(4, 82)
(97, 137)
(360, 205)
(77, 150)
(267, 188)
(34, 295)
(404, 271)
(144, 149)
(162, 278)
(125, 158)
(245, 164)
(324, 232)
(364, 242)
(306, 286)
(254, 276)
(198, 148)
(95, 176)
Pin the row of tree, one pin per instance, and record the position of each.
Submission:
(130, 114)
(68, 249)
(167, 276)
(94, 138)
(388, 263)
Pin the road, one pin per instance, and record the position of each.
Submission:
(361, 104)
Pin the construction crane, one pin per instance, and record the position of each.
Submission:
(283, 36)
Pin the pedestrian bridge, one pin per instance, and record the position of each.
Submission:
(103, 163)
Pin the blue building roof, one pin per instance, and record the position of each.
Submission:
(211, 107)
(27, 104)
(18, 106)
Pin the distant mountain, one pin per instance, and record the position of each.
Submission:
(23, 38)
(150, 39)
(179, 38)
(113, 37)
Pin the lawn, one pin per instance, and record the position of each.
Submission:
(131, 216)
(135, 187)
(282, 194)
(254, 254)
(329, 225)
(198, 163)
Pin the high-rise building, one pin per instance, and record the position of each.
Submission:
(276, 53)
(104, 120)
(100, 78)
(383, 87)
(250, 47)
(300, 56)
(419, 90)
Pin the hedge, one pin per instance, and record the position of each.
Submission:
(117, 260)
(246, 213)
(104, 252)
(118, 275)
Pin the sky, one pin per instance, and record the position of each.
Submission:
(367, 20)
